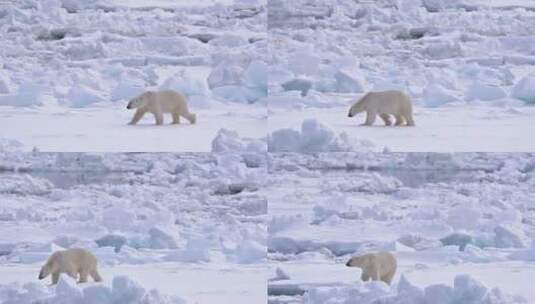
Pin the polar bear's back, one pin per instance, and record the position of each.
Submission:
(170, 101)
(387, 260)
(79, 256)
(391, 102)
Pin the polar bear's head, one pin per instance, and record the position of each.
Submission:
(357, 107)
(51, 266)
(360, 261)
(139, 101)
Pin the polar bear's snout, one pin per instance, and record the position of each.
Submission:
(136, 102)
(130, 104)
(348, 264)
(45, 271)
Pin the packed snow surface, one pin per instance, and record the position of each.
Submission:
(451, 129)
(74, 130)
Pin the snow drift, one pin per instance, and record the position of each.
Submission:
(123, 290)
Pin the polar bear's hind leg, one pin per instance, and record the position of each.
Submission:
(399, 120)
(375, 275)
(386, 119)
(176, 118)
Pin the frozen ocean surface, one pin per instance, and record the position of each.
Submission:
(163, 226)
(467, 65)
(463, 218)
(69, 68)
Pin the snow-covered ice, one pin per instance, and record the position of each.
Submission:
(467, 65)
(452, 220)
(68, 68)
(292, 187)
(448, 129)
(121, 290)
(74, 130)
(191, 226)
(263, 69)
(313, 137)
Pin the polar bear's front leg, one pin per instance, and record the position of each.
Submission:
(137, 116)
(95, 275)
(386, 119)
(370, 118)
(410, 121)
(159, 118)
(55, 278)
(191, 117)
(375, 274)
(399, 120)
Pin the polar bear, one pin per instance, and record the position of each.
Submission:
(384, 104)
(158, 103)
(72, 261)
(377, 266)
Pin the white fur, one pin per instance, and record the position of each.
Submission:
(380, 266)
(384, 104)
(158, 103)
(73, 262)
